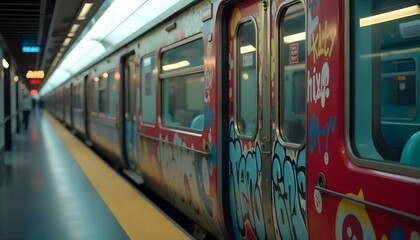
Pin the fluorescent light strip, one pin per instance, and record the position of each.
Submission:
(5, 64)
(175, 65)
(247, 49)
(66, 42)
(295, 37)
(389, 16)
(83, 13)
(73, 30)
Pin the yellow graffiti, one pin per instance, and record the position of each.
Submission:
(273, 57)
(236, 17)
(322, 41)
(358, 210)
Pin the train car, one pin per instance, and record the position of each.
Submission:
(102, 128)
(67, 99)
(59, 103)
(79, 107)
(269, 119)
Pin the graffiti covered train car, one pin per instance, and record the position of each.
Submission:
(266, 119)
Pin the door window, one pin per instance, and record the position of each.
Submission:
(292, 74)
(246, 78)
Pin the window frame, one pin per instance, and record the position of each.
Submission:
(237, 80)
(175, 74)
(279, 85)
(374, 164)
(156, 93)
(102, 89)
(111, 72)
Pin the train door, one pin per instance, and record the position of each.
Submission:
(249, 141)
(287, 92)
(129, 110)
(86, 105)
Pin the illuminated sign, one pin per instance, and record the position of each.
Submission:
(35, 74)
(35, 81)
(31, 49)
(34, 92)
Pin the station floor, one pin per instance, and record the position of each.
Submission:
(53, 187)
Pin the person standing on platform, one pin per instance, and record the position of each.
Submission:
(26, 105)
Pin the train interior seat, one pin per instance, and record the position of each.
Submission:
(183, 117)
(198, 122)
(411, 151)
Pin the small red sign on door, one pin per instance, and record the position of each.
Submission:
(294, 53)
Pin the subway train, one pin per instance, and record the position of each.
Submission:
(266, 119)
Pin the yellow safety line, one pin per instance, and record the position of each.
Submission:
(138, 217)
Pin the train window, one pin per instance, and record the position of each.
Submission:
(95, 85)
(182, 85)
(112, 95)
(246, 80)
(384, 82)
(398, 89)
(148, 91)
(74, 97)
(80, 96)
(102, 94)
(292, 74)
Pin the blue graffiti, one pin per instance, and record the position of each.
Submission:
(312, 5)
(315, 132)
(245, 188)
(397, 234)
(207, 200)
(209, 117)
(289, 193)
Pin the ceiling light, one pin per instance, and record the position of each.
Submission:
(389, 16)
(73, 30)
(294, 37)
(175, 65)
(84, 11)
(120, 23)
(66, 42)
(247, 49)
(5, 64)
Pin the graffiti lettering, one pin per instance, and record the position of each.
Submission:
(208, 81)
(318, 85)
(315, 133)
(245, 188)
(352, 220)
(185, 176)
(312, 25)
(193, 22)
(289, 193)
(322, 42)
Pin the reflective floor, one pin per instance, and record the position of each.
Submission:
(44, 194)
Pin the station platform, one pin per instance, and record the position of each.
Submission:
(52, 186)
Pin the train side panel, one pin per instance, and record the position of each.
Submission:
(178, 140)
(361, 185)
(67, 105)
(78, 110)
(59, 106)
(102, 91)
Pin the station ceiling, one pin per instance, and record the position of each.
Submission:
(39, 23)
